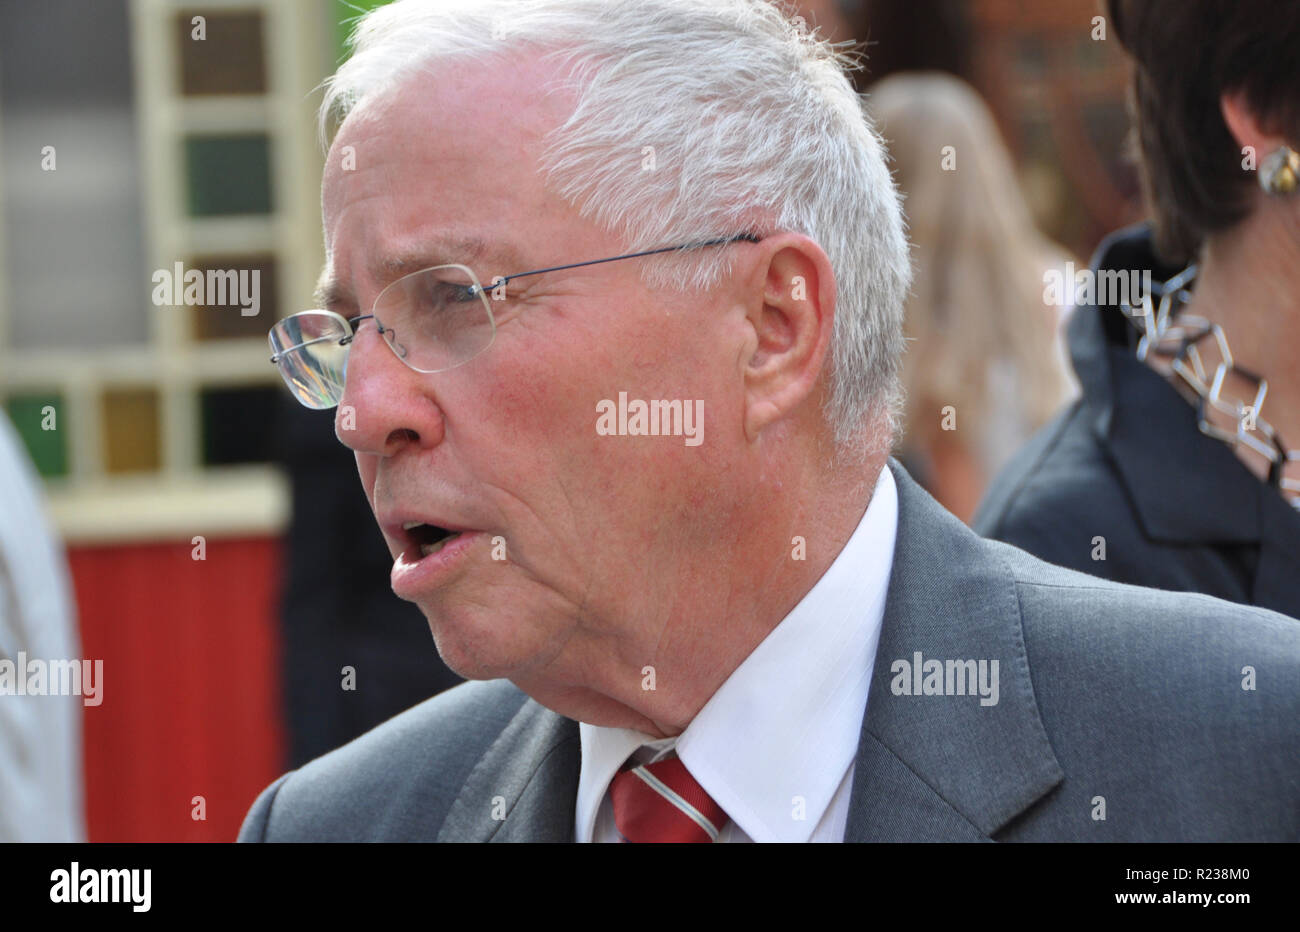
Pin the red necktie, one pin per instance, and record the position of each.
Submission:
(661, 802)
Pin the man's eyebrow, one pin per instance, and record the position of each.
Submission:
(460, 251)
(471, 251)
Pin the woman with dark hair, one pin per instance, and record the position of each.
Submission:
(1179, 468)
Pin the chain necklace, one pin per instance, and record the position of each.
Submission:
(1194, 355)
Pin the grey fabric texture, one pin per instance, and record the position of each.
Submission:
(1112, 700)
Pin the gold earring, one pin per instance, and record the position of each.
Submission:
(1280, 172)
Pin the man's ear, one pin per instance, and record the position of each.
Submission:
(790, 312)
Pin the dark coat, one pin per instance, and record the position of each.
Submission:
(1127, 463)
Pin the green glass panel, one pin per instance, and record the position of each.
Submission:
(41, 420)
(228, 174)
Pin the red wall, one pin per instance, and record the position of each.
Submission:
(191, 704)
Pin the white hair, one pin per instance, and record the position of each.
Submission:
(754, 128)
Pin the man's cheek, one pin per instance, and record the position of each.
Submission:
(533, 402)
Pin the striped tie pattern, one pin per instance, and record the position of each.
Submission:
(661, 802)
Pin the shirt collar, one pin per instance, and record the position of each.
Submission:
(779, 735)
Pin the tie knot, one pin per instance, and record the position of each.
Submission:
(662, 802)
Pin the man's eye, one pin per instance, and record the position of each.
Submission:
(460, 292)
(443, 293)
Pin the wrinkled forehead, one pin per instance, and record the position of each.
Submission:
(447, 153)
(497, 110)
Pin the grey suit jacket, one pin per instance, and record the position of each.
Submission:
(1123, 714)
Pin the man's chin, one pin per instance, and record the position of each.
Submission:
(473, 648)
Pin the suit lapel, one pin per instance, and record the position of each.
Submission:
(529, 775)
(947, 767)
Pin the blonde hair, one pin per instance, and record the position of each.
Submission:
(979, 261)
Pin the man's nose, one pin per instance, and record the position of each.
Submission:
(385, 405)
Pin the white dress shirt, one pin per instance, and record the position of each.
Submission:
(775, 745)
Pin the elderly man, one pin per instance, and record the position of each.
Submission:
(618, 290)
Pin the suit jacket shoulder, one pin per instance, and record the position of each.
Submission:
(1116, 713)
(401, 780)
(1059, 483)
(1177, 714)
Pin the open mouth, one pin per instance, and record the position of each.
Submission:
(429, 538)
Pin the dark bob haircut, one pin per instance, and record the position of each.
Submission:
(1188, 53)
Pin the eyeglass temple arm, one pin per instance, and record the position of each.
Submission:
(354, 321)
(743, 237)
(342, 342)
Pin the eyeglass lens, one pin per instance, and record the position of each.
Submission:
(433, 320)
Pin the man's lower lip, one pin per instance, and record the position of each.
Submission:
(414, 575)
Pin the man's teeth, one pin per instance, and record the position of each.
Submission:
(427, 549)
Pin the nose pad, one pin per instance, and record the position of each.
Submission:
(389, 336)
